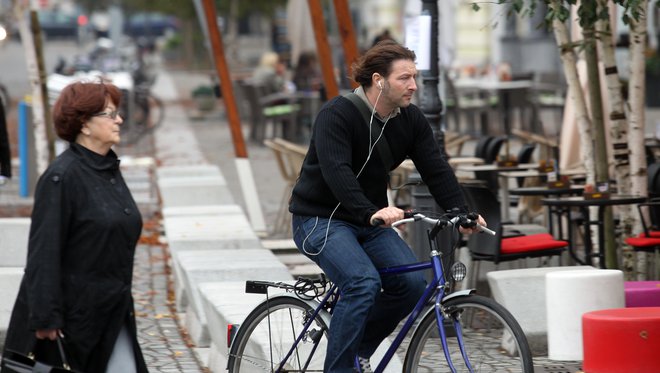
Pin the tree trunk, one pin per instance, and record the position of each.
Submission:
(618, 135)
(598, 127)
(27, 39)
(636, 102)
(43, 86)
(568, 59)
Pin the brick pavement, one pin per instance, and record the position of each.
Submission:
(164, 344)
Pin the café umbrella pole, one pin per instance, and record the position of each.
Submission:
(243, 167)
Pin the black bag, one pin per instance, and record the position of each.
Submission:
(21, 363)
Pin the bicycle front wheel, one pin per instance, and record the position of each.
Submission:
(268, 335)
(493, 340)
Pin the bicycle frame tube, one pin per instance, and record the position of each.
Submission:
(434, 287)
(317, 310)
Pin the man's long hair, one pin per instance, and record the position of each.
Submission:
(378, 59)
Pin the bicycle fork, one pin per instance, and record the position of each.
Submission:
(441, 315)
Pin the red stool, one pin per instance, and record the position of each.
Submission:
(621, 340)
(642, 293)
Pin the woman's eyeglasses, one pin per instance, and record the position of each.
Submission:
(110, 114)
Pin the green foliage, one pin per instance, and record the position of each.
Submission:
(174, 41)
(652, 62)
(202, 91)
(267, 7)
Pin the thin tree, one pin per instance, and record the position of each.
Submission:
(42, 147)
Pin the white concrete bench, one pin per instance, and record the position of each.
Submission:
(194, 190)
(206, 232)
(199, 266)
(14, 235)
(522, 292)
(206, 210)
(188, 171)
(10, 281)
(225, 303)
(197, 232)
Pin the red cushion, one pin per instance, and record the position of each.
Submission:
(642, 241)
(652, 234)
(532, 242)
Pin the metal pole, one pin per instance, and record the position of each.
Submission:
(243, 167)
(431, 104)
(347, 34)
(323, 48)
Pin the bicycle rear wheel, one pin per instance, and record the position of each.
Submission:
(269, 332)
(493, 340)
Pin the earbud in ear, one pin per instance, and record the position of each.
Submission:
(380, 85)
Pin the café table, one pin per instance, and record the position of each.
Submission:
(565, 204)
(527, 173)
(545, 191)
(504, 187)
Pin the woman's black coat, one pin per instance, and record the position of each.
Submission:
(85, 227)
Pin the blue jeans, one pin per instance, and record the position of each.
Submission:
(370, 306)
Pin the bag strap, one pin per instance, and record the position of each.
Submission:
(65, 362)
(382, 145)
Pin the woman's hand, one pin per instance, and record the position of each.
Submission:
(388, 215)
(47, 334)
(480, 221)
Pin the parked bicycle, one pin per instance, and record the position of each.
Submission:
(459, 331)
(144, 112)
(127, 68)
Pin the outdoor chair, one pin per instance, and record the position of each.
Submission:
(510, 243)
(271, 115)
(479, 153)
(490, 155)
(289, 158)
(648, 241)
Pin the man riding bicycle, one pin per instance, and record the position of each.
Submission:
(342, 192)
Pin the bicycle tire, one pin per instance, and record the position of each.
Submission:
(252, 350)
(493, 340)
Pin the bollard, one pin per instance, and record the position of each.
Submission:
(27, 168)
(23, 148)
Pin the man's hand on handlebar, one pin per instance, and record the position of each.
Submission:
(472, 228)
(386, 216)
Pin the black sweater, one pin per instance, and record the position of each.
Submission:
(339, 148)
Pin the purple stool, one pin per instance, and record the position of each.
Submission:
(642, 293)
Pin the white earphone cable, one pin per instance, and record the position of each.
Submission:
(371, 148)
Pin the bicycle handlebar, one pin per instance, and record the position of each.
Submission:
(444, 221)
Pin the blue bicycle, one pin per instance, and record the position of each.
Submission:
(454, 331)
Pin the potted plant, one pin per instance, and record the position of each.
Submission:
(204, 97)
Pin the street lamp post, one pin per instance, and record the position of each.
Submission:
(431, 104)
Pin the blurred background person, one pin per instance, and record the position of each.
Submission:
(270, 74)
